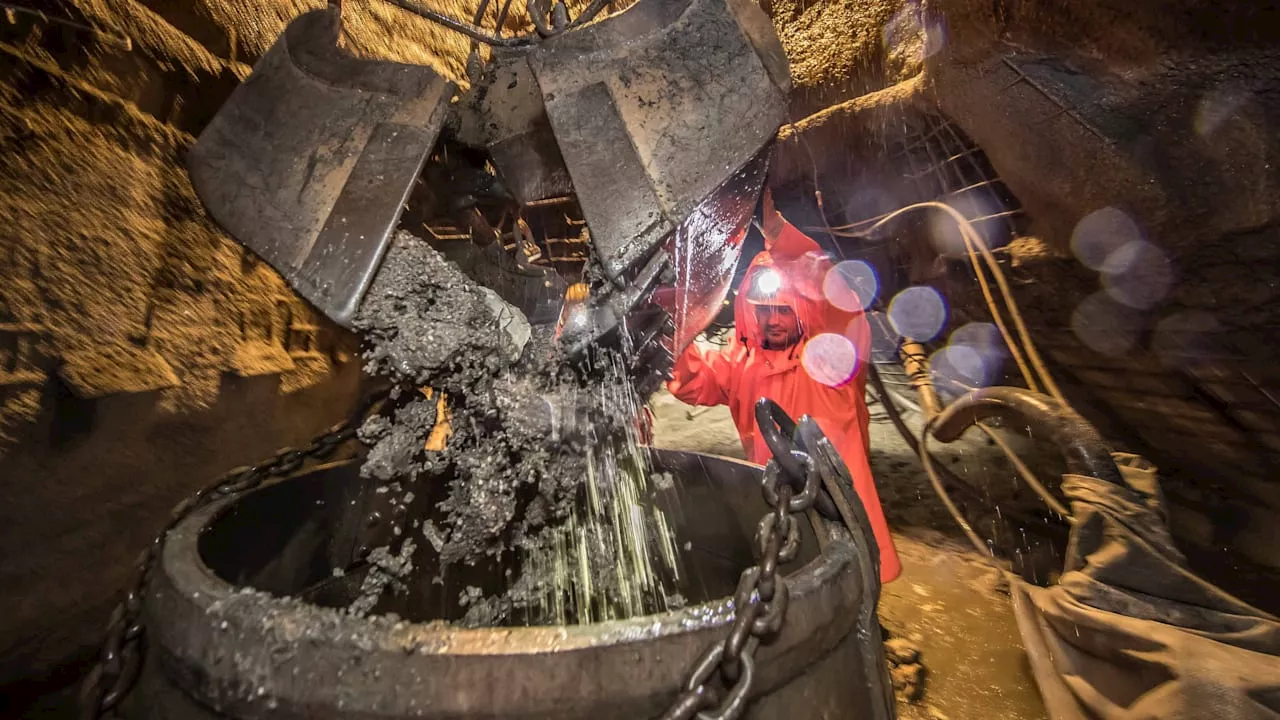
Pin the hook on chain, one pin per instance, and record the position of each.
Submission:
(791, 485)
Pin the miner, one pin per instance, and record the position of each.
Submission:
(801, 339)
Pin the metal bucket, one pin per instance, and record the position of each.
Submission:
(219, 650)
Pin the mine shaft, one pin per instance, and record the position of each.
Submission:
(639, 359)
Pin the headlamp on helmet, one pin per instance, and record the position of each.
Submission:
(764, 287)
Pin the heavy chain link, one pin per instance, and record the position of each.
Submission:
(120, 660)
(760, 602)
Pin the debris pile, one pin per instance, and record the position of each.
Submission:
(563, 519)
(905, 669)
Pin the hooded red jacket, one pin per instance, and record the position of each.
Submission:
(823, 375)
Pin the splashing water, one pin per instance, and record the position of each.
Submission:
(615, 557)
(512, 528)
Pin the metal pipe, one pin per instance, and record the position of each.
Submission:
(478, 20)
(538, 10)
(944, 475)
(590, 13)
(916, 363)
(1083, 448)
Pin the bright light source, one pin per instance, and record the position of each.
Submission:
(768, 282)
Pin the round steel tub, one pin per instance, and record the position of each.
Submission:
(218, 649)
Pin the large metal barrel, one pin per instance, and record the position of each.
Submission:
(229, 636)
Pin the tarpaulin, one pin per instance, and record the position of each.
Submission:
(1129, 632)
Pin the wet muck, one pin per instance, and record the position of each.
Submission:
(514, 518)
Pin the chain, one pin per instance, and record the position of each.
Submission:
(120, 660)
(549, 18)
(760, 602)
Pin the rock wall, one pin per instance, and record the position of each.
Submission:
(142, 351)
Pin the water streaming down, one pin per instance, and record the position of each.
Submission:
(535, 534)
(615, 557)
(504, 524)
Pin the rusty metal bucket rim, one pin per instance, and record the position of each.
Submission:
(535, 639)
(187, 602)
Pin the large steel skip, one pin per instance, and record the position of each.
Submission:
(310, 161)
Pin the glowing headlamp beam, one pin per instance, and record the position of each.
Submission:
(768, 282)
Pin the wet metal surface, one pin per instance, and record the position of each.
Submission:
(310, 161)
(681, 94)
(245, 652)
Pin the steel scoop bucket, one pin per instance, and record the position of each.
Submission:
(312, 158)
(658, 118)
(657, 107)
(648, 113)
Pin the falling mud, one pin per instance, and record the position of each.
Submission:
(386, 570)
(541, 474)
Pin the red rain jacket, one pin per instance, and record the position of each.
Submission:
(823, 376)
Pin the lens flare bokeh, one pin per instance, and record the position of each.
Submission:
(851, 285)
(1100, 233)
(1106, 326)
(830, 358)
(1138, 275)
(918, 312)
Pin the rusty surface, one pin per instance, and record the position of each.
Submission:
(243, 651)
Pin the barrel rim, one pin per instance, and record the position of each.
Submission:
(219, 639)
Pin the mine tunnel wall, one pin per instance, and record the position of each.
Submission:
(1161, 111)
(1166, 112)
(142, 351)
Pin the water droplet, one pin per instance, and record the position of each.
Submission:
(1101, 233)
(918, 312)
(830, 358)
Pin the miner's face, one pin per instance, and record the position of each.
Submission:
(779, 325)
